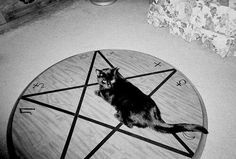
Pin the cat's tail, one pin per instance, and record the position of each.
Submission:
(181, 127)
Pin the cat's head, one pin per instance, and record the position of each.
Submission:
(107, 77)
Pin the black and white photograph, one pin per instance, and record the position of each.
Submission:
(117, 79)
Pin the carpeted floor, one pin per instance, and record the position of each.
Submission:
(32, 48)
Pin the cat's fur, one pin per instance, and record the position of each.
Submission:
(134, 108)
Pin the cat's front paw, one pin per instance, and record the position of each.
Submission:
(97, 92)
(117, 116)
(129, 125)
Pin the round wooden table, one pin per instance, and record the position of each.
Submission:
(59, 116)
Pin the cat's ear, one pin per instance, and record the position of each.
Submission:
(98, 72)
(115, 71)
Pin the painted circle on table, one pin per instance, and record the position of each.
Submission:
(59, 116)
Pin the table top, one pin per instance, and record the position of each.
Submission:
(59, 116)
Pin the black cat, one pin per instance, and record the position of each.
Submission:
(134, 108)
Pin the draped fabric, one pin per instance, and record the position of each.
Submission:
(211, 23)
